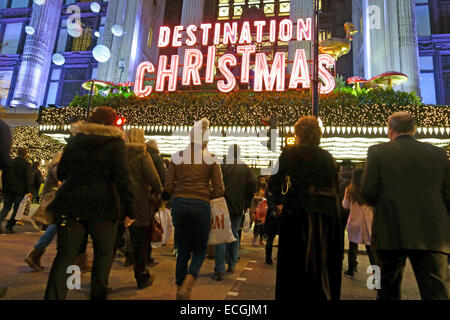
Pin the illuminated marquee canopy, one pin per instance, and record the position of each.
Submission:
(239, 35)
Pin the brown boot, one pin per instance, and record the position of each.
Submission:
(34, 260)
(83, 262)
(184, 292)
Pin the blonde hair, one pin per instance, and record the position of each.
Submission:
(308, 130)
(135, 135)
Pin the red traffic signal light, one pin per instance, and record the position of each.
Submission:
(121, 121)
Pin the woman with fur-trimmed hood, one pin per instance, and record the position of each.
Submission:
(94, 197)
(144, 178)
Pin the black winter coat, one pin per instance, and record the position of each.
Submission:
(159, 164)
(345, 179)
(95, 176)
(311, 242)
(38, 179)
(5, 144)
(240, 185)
(272, 223)
(408, 183)
(17, 178)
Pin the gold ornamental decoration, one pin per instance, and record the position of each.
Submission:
(337, 47)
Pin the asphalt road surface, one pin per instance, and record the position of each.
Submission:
(253, 279)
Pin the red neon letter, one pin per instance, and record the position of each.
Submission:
(191, 34)
(209, 78)
(245, 67)
(139, 88)
(193, 60)
(230, 33)
(328, 83)
(231, 80)
(164, 72)
(285, 30)
(164, 37)
(246, 34)
(273, 31)
(276, 74)
(217, 33)
(304, 30)
(205, 27)
(177, 36)
(259, 30)
(300, 71)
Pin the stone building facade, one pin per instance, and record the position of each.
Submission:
(33, 31)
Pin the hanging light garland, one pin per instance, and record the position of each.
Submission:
(238, 109)
(40, 147)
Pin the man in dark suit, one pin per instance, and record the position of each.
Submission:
(408, 183)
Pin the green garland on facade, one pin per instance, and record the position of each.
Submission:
(341, 108)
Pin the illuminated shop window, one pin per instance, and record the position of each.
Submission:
(446, 78)
(87, 41)
(427, 81)
(423, 18)
(15, 4)
(285, 8)
(84, 43)
(73, 79)
(5, 85)
(443, 16)
(64, 83)
(19, 3)
(235, 9)
(11, 38)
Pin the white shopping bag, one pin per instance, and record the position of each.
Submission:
(20, 212)
(165, 218)
(220, 231)
(247, 221)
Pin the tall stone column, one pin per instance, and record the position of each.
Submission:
(37, 55)
(109, 71)
(409, 51)
(392, 35)
(192, 13)
(300, 9)
(379, 34)
(358, 39)
(136, 17)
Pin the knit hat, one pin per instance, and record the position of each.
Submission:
(200, 133)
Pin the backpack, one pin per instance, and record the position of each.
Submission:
(261, 211)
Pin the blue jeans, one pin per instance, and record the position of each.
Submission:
(228, 251)
(46, 238)
(191, 219)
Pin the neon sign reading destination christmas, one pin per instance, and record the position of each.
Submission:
(268, 78)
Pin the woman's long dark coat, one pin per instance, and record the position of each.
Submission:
(311, 245)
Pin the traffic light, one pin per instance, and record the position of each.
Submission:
(121, 121)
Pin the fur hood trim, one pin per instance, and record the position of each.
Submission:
(96, 129)
(138, 147)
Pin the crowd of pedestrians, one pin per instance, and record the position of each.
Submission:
(109, 183)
